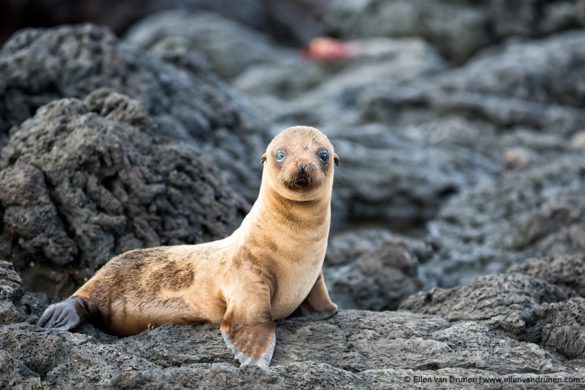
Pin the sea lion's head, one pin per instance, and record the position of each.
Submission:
(298, 164)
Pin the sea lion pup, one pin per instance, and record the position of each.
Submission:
(268, 269)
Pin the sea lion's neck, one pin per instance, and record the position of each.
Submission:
(292, 218)
(294, 211)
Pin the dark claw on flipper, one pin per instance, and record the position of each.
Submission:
(65, 315)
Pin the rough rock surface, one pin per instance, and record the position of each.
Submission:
(85, 180)
(188, 104)
(400, 176)
(461, 155)
(441, 22)
(543, 94)
(229, 47)
(362, 264)
(536, 17)
(505, 302)
(16, 305)
(118, 15)
(353, 349)
(538, 301)
(535, 211)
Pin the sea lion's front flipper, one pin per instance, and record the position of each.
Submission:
(65, 315)
(248, 331)
(252, 345)
(317, 305)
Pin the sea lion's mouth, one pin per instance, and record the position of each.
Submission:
(300, 181)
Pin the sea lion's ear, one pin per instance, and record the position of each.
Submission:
(336, 159)
(263, 159)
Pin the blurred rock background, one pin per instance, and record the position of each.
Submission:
(460, 199)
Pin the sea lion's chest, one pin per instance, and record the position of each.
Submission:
(294, 279)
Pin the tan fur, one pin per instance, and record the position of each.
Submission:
(262, 272)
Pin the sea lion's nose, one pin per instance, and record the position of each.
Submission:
(302, 166)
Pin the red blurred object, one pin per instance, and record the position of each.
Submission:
(328, 49)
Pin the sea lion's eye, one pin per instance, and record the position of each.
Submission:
(323, 156)
(280, 155)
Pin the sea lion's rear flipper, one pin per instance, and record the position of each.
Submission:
(317, 305)
(249, 333)
(65, 315)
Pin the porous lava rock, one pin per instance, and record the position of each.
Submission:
(84, 180)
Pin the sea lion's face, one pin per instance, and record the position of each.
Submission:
(298, 164)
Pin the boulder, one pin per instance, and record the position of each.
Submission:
(16, 305)
(86, 180)
(561, 327)
(188, 104)
(293, 92)
(562, 270)
(505, 302)
(533, 18)
(441, 22)
(525, 213)
(539, 301)
(403, 176)
(372, 269)
(228, 46)
(529, 85)
(551, 71)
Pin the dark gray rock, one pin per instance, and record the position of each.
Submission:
(544, 93)
(188, 105)
(552, 71)
(543, 306)
(271, 86)
(352, 349)
(525, 213)
(523, 118)
(86, 180)
(347, 351)
(229, 47)
(561, 326)
(402, 176)
(529, 18)
(442, 22)
(506, 302)
(16, 305)
(566, 271)
(31, 217)
(338, 88)
(372, 269)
